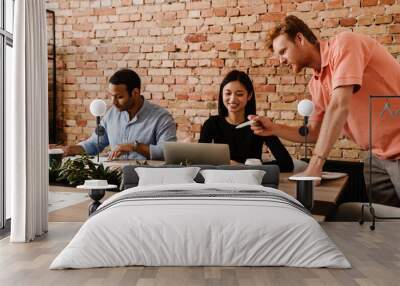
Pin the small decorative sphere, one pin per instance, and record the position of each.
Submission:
(98, 107)
(305, 107)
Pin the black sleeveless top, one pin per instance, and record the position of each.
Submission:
(243, 143)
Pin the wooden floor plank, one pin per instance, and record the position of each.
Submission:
(375, 257)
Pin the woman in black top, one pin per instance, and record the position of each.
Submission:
(237, 101)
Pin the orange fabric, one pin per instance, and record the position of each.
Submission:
(355, 59)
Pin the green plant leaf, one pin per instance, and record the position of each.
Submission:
(75, 172)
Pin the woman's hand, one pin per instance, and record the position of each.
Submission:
(262, 126)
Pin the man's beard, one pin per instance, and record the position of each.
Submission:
(126, 106)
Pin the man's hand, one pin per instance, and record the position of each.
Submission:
(262, 126)
(233, 162)
(119, 150)
(314, 169)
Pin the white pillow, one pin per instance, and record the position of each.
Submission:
(166, 176)
(248, 177)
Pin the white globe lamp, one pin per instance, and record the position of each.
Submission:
(98, 108)
(305, 108)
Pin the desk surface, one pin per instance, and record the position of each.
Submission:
(326, 195)
(122, 163)
(329, 191)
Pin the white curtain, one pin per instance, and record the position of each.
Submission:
(27, 123)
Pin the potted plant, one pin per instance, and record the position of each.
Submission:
(75, 171)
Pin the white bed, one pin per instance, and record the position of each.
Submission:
(185, 230)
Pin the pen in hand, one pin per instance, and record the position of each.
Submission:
(244, 124)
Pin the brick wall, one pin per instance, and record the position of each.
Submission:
(182, 50)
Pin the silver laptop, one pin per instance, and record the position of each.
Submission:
(196, 153)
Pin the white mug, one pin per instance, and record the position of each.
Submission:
(253, 162)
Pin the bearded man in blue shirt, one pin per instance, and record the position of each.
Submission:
(134, 127)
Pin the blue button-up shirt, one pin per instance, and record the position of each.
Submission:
(152, 125)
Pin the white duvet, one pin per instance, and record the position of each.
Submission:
(200, 231)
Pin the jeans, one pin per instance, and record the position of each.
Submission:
(385, 186)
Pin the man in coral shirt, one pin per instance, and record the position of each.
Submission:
(347, 69)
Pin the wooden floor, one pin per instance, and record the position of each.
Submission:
(375, 257)
(74, 213)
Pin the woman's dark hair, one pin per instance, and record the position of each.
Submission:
(245, 80)
(127, 77)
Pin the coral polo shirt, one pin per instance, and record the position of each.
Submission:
(355, 59)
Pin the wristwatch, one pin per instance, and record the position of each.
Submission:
(134, 145)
